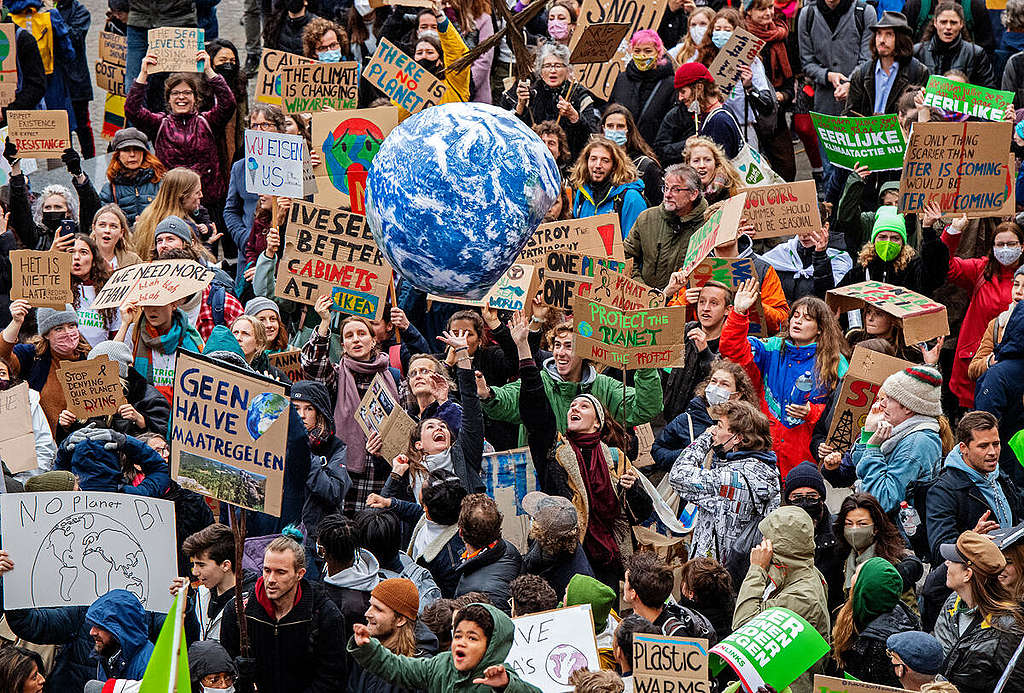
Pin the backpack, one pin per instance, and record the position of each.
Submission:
(40, 25)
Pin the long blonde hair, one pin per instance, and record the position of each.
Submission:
(689, 48)
(623, 168)
(168, 201)
(723, 167)
(122, 243)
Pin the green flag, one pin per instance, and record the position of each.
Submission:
(1016, 444)
(161, 667)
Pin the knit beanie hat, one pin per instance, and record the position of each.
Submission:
(260, 304)
(223, 345)
(583, 589)
(918, 388)
(400, 595)
(58, 480)
(888, 219)
(174, 225)
(1020, 271)
(877, 590)
(49, 318)
(118, 352)
(689, 73)
(596, 404)
(807, 475)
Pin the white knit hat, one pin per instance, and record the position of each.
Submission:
(918, 388)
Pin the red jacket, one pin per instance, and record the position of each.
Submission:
(989, 298)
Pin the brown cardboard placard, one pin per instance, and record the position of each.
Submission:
(229, 433)
(175, 48)
(42, 277)
(426, 4)
(310, 87)
(598, 43)
(565, 273)
(920, 318)
(868, 370)
(782, 210)
(268, 77)
(629, 339)
(158, 283)
(720, 228)
(380, 412)
(408, 84)
(732, 273)
(39, 134)
(830, 684)
(960, 166)
(9, 64)
(598, 236)
(113, 48)
(645, 443)
(666, 663)
(341, 177)
(514, 290)
(91, 387)
(17, 437)
(110, 78)
(616, 289)
(741, 49)
(288, 362)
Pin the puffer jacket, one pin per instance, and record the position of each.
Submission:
(739, 489)
(189, 140)
(978, 658)
(999, 390)
(327, 484)
(146, 400)
(121, 614)
(99, 469)
(681, 431)
(866, 657)
(647, 94)
(961, 55)
(490, 572)
(657, 242)
(132, 193)
(626, 199)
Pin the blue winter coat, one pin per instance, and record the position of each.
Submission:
(626, 199)
(121, 613)
(1001, 388)
(917, 457)
(1012, 42)
(239, 208)
(99, 469)
(674, 438)
(58, 96)
(133, 194)
(77, 71)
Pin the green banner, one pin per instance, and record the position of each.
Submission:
(771, 649)
(876, 142)
(969, 99)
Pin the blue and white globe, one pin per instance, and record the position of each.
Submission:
(454, 194)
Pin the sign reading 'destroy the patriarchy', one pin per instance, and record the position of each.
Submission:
(876, 142)
(598, 236)
(629, 339)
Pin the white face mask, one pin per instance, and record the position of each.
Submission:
(715, 394)
(229, 689)
(697, 33)
(1007, 256)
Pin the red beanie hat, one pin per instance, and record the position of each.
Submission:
(689, 73)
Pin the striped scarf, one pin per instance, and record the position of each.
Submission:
(180, 335)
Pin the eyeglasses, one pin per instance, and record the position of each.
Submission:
(421, 371)
(163, 450)
(330, 47)
(182, 92)
(221, 679)
(554, 66)
(263, 125)
(674, 190)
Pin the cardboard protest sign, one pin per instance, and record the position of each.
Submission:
(663, 663)
(732, 273)
(319, 86)
(8, 63)
(643, 14)
(619, 291)
(920, 318)
(288, 362)
(565, 273)
(110, 68)
(274, 163)
(348, 141)
(629, 339)
(175, 49)
(113, 48)
(720, 227)
(828, 684)
(782, 210)
(771, 649)
(598, 236)
(39, 134)
(969, 99)
(229, 433)
(963, 167)
(110, 78)
(408, 84)
(876, 141)
(17, 437)
(598, 43)
(514, 290)
(740, 50)
(42, 277)
(332, 252)
(548, 646)
(157, 283)
(91, 387)
(509, 475)
(268, 77)
(75, 546)
(379, 412)
(645, 443)
(868, 370)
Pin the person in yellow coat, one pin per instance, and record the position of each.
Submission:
(433, 52)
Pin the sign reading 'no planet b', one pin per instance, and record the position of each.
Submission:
(876, 142)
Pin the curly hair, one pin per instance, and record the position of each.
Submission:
(479, 520)
(600, 681)
(623, 169)
(744, 386)
(550, 127)
(746, 420)
(70, 200)
(555, 543)
(724, 169)
(315, 30)
(532, 594)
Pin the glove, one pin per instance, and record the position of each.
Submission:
(10, 152)
(246, 668)
(73, 161)
(111, 440)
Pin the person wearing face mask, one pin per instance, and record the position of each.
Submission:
(283, 30)
(325, 41)
(805, 488)
(210, 667)
(645, 88)
(42, 219)
(224, 56)
(741, 486)
(435, 50)
(699, 110)
(562, 21)
(618, 125)
(697, 27)
(984, 357)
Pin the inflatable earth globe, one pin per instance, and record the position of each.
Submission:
(454, 194)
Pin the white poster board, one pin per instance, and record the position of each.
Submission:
(274, 163)
(548, 646)
(71, 547)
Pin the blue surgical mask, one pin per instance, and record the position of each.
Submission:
(329, 56)
(616, 136)
(720, 38)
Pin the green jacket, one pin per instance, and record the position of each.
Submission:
(657, 242)
(643, 402)
(437, 674)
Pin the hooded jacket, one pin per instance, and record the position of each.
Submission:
(350, 588)
(120, 612)
(99, 469)
(1000, 390)
(626, 200)
(328, 481)
(866, 656)
(923, 273)
(681, 431)
(657, 242)
(648, 94)
(438, 673)
(806, 271)
(364, 681)
(791, 582)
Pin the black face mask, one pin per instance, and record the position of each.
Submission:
(814, 508)
(430, 66)
(296, 5)
(6, 384)
(52, 220)
(229, 71)
(719, 448)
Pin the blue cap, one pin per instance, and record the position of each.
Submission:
(919, 651)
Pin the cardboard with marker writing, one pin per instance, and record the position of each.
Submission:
(289, 363)
(739, 51)
(614, 288)
(110, 78)
(629, 339)
(830, 684)
(347, 141)
(868, 370)
(113, 48)
(719, 228)
(39, 134)
(782, 210)
(268, 76)
(514, 290)
(17, 437)
(157, 283)
(41, 277)
(664, 663)
(310, 87)
(175, 49)
(274, 163)
(566, 273)
(92, 387)
(598, 43)
(380, 412)
(599, 236)
(400, 78)
(732, 273)
(921, 319)
(8, 65)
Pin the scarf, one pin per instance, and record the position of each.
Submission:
(428, 532)
(853, 560)
(180, 335)
(989, 486)
(786, 257)
(599, 543)
(915, 423)
(775, 36)
(348, 402)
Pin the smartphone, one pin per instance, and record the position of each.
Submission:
(68, 227)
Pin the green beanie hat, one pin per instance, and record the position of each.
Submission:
(888, 219)
(877, 590)
(583, 589)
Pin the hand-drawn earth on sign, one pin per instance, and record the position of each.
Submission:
(562, 661)
(348, 150)
(92, 554)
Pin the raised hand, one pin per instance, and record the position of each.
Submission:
(360, 634)
(494, 676)
(746, 296)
